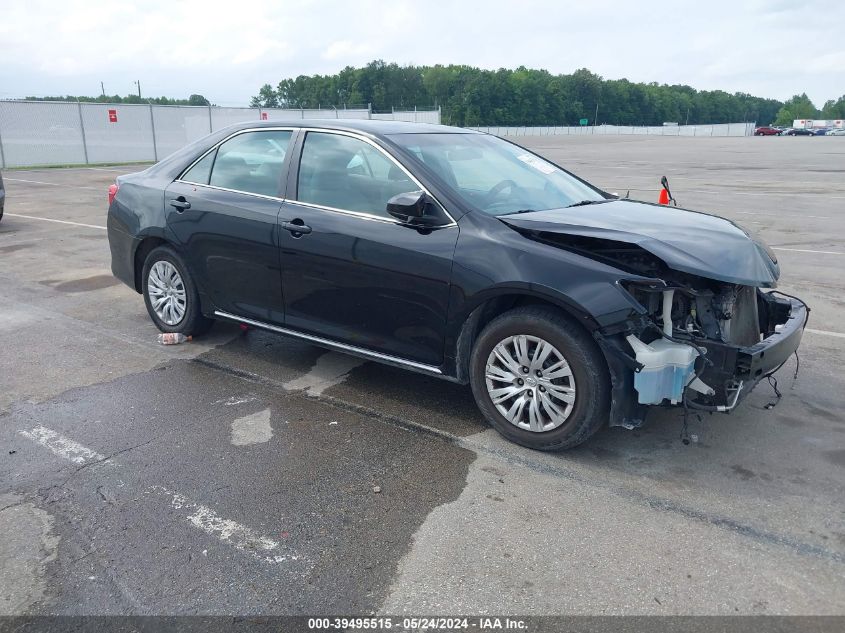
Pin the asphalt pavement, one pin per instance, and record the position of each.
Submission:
(245, 474)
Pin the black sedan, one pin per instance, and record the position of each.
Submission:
(459, 255)
(799, 131)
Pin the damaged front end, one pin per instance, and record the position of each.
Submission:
(695, 342)
(702, 331)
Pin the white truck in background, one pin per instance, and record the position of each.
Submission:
(814, 124)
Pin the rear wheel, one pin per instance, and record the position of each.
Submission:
(170, 294)
(539, 379)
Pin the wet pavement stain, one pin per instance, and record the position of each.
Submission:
(311, 485)
(821, 412)
(745, 473)
(97, 282)
(835, 457)
(11, 248)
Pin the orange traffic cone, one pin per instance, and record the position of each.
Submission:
(664, 196)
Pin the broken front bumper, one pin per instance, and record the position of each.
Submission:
(731, 371)
(728, 366)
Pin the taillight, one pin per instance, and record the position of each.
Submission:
(112, 192)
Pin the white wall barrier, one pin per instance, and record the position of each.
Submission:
(53, 133)
(721, 129)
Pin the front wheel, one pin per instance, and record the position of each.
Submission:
(170, 294)
(539, 379)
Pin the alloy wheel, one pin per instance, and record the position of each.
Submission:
(530, 383)
(167, 292)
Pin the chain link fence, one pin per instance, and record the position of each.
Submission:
(49, 133)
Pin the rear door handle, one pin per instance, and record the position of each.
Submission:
(180, 203)
(297, 227)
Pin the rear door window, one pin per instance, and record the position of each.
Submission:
(201, 171)
(251, 162)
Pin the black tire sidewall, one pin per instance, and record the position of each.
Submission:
(193, 322)
(585, 359)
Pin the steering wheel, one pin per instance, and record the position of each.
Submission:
(498, 188)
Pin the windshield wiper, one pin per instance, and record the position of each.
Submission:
(585, 202)
(520, 211)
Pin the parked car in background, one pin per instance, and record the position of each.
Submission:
(798, 131)
(767, 130)
(2, 196)
(836, 132)
(822, 131)
(462, 256)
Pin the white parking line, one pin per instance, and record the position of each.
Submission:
(825, 333)
(51, 184)
(63, 446)
(230, 532)
(815, 217)
(804, 250)
(204, 518)
(731, 192)
(32, 217)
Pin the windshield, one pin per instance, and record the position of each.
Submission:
(496, 176)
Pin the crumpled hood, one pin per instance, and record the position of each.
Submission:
(687, 241)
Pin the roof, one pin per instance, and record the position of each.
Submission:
(368, 126)
(181, 158)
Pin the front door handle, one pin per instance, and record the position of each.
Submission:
(180, 203)
(297, 227)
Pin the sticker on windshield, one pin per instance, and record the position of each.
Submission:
(537, 163)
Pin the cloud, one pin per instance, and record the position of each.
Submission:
(227, 50)
(344, 49)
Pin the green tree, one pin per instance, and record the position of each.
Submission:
(834, 109)
(266, 98)
(524, 96)
(198, 100)
(798, 107)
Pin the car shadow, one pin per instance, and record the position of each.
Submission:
(751, 446)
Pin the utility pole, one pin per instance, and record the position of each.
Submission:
(102, 89)
(138, 83)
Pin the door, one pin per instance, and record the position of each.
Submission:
(354, 274)
(224, 213)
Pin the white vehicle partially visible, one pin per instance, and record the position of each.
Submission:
(836, 132)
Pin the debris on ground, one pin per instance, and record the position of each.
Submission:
(172, 338)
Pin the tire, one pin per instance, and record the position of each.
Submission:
(588, 381)
(172, 282)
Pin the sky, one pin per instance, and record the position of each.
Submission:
(227, 50)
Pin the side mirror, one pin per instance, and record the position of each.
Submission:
(408, 207)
